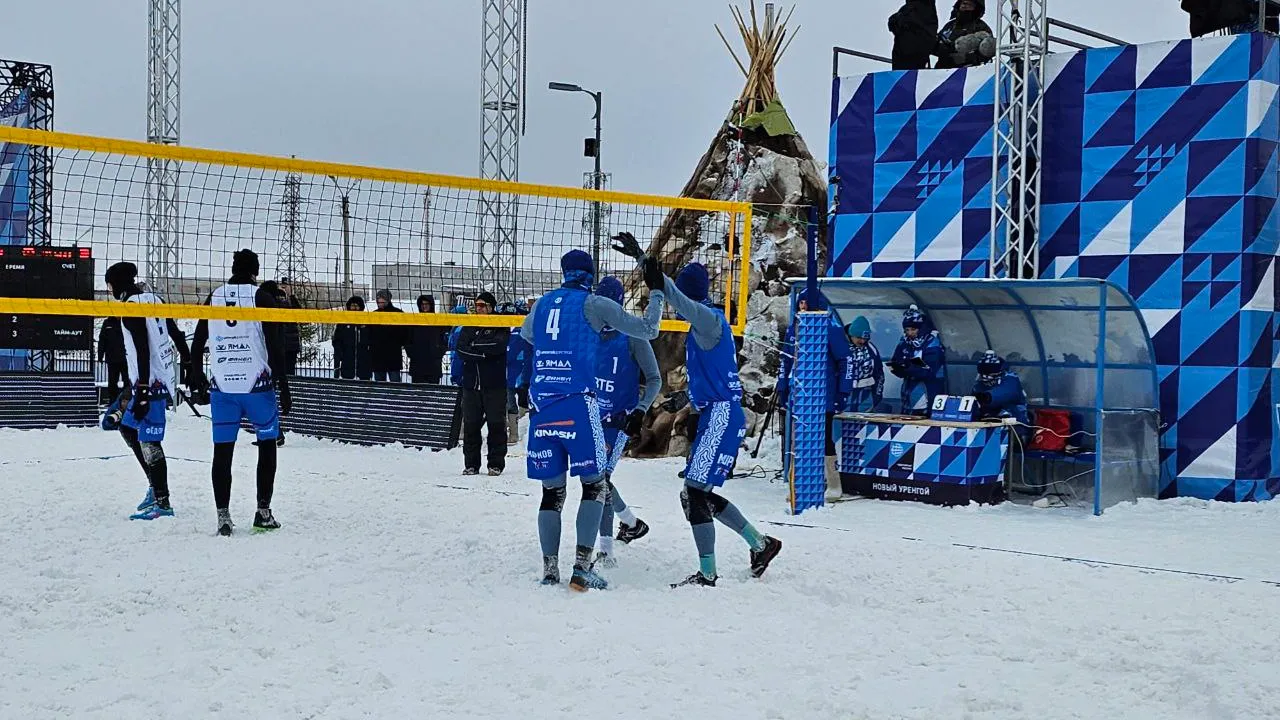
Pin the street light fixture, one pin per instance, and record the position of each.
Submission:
(592, 150)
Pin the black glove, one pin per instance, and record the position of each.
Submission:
(691, 426)
(653, 277)
(635, 421)
(626, 244)
(675, 401)
(197, 381)
(284, 396)
(141, 401)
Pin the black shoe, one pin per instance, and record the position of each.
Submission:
(629, 533)
(697, 579)
(263, 520)
(495, 472)
(471, 471)
(224, 523)
(760, 559)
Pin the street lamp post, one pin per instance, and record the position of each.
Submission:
(593, 150)
(346, 235)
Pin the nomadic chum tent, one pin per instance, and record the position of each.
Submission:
(1077, 344)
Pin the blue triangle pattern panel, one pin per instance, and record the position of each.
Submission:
(911, 169)
(1161, 171)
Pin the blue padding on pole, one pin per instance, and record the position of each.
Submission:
(808, 412)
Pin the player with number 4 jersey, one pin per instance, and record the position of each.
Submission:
(565, 434)
(246, 359)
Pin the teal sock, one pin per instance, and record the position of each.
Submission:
(754, 537)
(732, 518)
(707, 564)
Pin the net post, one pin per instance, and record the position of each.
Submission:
(808, 409)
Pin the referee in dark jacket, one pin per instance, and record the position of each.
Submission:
(483, 351)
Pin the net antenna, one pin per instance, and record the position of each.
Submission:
(164, 235)
(502, 86)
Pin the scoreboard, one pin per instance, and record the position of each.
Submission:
(47, 272)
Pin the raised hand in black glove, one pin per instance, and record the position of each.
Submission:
(653, 277)
(626, 244)
(635, 421)
(284, 396)
(141, 401)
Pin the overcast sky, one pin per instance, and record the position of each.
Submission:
(396, 82)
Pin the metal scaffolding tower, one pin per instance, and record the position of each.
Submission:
(33, 83)
(1022, 34)
(163, 112)
(293, 254)
(501, 124)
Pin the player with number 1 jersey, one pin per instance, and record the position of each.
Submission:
(622, 365)
(565, 435)
(246, 359)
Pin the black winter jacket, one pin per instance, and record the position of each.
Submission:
(484, 357)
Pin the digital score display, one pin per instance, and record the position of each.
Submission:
(46, 272)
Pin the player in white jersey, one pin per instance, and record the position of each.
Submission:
(246, 359)
(149, 345)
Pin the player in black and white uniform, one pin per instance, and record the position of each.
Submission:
(149, 346)
(247, 361)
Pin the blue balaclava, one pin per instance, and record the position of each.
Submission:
(610, 287)
(693, 282)
(860, 328)
(578, 269)
(990, 369)
(913, 318)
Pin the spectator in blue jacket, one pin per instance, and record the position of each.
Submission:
(519, 356)
(455, 363)
(866, 369)
(921, 361)
(998, 390)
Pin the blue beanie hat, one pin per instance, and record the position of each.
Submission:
(692, 281)
(610, 287)
(912, 317)
(577, 261)
(860, 328)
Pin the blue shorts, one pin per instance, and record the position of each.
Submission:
(721, 428)
(616, 441)
(566, 436)
(151, 427)
(259, 408)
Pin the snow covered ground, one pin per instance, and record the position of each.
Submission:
(398, 589)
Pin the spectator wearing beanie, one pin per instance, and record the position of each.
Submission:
(483, 351)
(387, 343)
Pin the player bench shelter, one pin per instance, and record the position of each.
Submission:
(1077, 344)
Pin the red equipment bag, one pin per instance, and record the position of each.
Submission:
(1053, 429)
